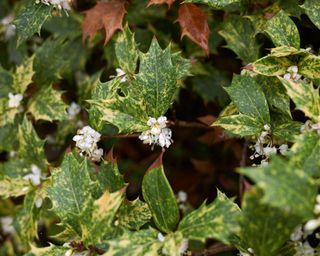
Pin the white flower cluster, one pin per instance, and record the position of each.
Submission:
(60, 4)
(158, 134)
(6, 225)
(301, 244)
(86, 140)
(309, 126)
(34, 176)
(14, 100)
(264, 148)
(9, 29)
(292, 74)
(182, 198)
(121, 74)
(73, 110)
(249, 252)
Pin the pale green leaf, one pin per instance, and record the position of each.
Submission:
(173, 242)
(51, 250)
(23, 76)
(13, 187)
(271, 65)
(7, 115)
(309, 66)
(312, 9)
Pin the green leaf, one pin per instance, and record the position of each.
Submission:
(241, 125)
(23, 76)
(6, 81)
(305, 153)
(286, 187)
(142, 242)
(76, 191)
(217, 220)
(47, 105)
(215, 4)
(159, 196)
(240, 37)
(312, 9)
(285, 50)
(271, 66)
(249, 98)
(13, 187)
(51, 250)
(309, 66)
(304, 96)
(31, 146)
(172, 244)
(133, 215)
(126, 51)
(285, 129)
(30, 20)
(264, 228)
(282, 30)
(7, 115)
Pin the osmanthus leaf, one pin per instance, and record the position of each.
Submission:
(134, 214)
(142, 242)
(282, 30)
(265, 228)
(249, 98)
(8, 135)
(305, 153)
(309, 66)
(47, 105)
(286, 187)
(215, 4)
(31, 146)
(312, 9)
(72, 207)
(194, 24)
(173, 244)
(30, 19)
(159, 196)
(217, 220)
(241, 125)
(23, 76)
(240, 36)
(153, 2)
(13, 187)
(270, 65)
(107, 15)
(126, 51)
(52, 250)
(284, 128)
(7, 115)
(305, 97)
(285, 50)
(6, 80)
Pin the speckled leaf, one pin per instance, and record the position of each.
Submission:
(30, 20)
(285, 186)
(134, 214)
(309, 67)
(312, 9)
(8, 135)
(241, 125)
(265, 228)
(285, 130)
(51, 250)
(285, 50)
(7, 115)
(271, 66)
(76, 191)
(31, 146)
(23, 76)
(47, 105)
(126, 51)
(143, 242)
(6, 80)
(215, 4)
(159, 196)
(249, 98)
(282, 30)
(240, 37)
(13, 187)
(217, 220)
(305, 153)
(305, 97)
(173, 242)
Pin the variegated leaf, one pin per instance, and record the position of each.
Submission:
(23, 76)
(312, 9)
(51, 250)
(271, 66)
(309, 66)
(13, 187)
(215, 4)
(174, 244)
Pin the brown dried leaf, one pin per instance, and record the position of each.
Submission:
(107, 15)
(194, 24)
(168, 2)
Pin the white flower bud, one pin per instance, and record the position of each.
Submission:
(311, 225)
(14, 100)
(182, 196)
(161, 238)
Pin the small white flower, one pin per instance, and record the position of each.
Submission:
(35, 176)
(6, 224)
(121, 74)
(292, 74)
(264, 163)
(182, 196)
(311, 225)
(9, 28)
(318, 199)
(161, 238)
(14, 100)
(38, 202)
(60, 4)
(297, 234)
(316, 209)
(267, 127)
(184, 246)
(283, 149)
(97, 154)
(68, 253)
(270, 151)
(73, 110)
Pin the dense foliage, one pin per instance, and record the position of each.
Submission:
(230, 87)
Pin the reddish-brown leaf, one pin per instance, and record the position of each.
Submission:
(194, 24)
(107, 15)
(168, 2)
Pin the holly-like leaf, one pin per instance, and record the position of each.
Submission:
(107, 15)
(48, 105)
(271, 66)
(194, 24)
(30, 20)
(173, 243)
(286, 187)
(159, 196)
(51, 250)
(282, 30)
(217, 220)
(240, 37)
(133, 215)
(249, 98)
(6, 81)
(7, 114)
(312, 9)
(309, 66)
(156, 2)
(23, 76)
(13, 187)
(215, 4)
(305, 97)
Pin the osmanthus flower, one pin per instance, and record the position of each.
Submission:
(309, 126)
(86, 140)
(158, 134)
(292, 74)
(73, 110)
(34, 176)
(7, 225)
(14, 100)
(60, 4)
(9, 29)
(121, 74)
